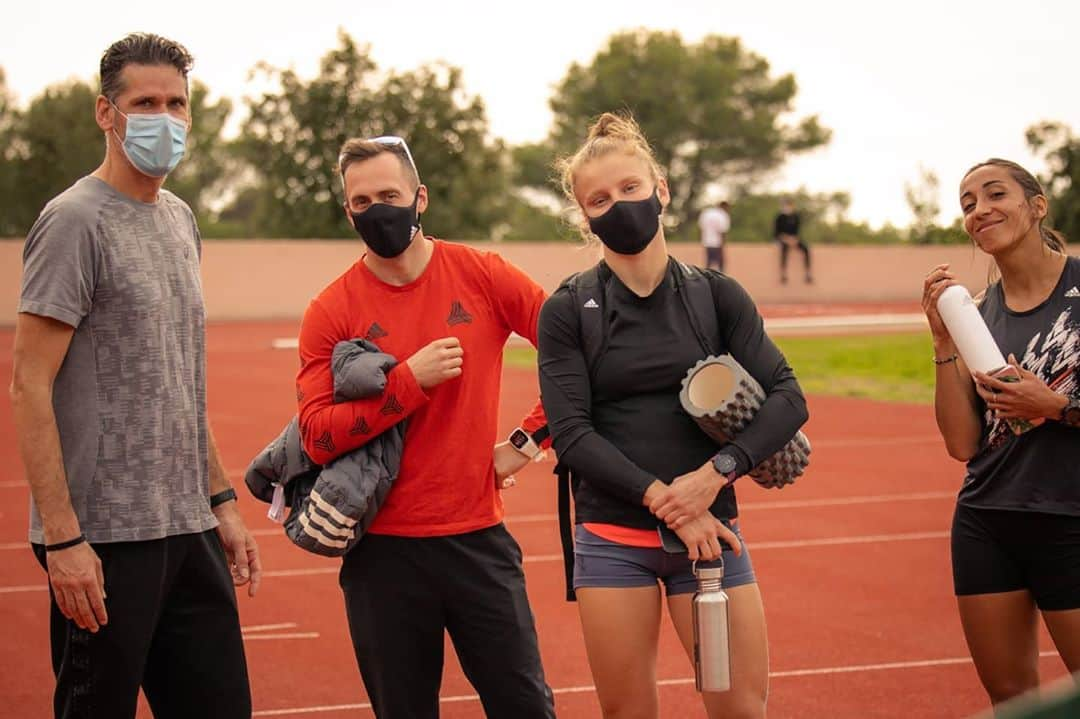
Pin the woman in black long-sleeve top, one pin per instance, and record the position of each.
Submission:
(639, 460)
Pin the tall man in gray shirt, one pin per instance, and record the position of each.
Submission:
(132, 513)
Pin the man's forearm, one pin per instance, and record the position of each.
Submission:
(219, 478)
(39, 445)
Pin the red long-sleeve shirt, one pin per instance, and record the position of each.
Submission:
(446, 484)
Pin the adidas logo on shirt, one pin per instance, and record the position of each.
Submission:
(375, 332)
(458, 315)
(591, 304)
(392, 406)
(1074, 292)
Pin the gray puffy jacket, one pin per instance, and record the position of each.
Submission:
(333, 505)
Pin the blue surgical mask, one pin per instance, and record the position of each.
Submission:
(154, 143)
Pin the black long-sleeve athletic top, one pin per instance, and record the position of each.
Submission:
(627, 429)
(787, 223)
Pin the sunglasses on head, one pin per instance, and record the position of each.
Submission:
(394, 141)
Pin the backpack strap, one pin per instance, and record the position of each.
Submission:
(566, 529)
(694, 287)
(587, 292)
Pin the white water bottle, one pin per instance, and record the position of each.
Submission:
(976, 345)
(712, 647)
(969, 331)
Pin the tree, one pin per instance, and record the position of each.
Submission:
(8, 117)
(203, 174)
(711, 112)
(47, 147)
(293, 135)
(1056, 143)
(752, 215)
(56, 140)
(923, 199)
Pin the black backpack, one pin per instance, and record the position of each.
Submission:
(588, 290)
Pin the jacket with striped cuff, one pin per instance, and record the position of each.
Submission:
(333, 505)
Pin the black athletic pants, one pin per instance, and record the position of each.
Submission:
(173, 630)
(402, 594)
(714, 258)
(785, 248)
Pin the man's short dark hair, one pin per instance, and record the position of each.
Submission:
(140, 48)
(357, 149)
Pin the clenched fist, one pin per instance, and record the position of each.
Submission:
(437, 362)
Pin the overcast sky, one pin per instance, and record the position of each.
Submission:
(937, 84)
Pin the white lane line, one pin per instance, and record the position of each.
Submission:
(527, 518)
(842, 442)
(846, 501)
(681, 681)
(13, 484)
(292, 635)
(25, 588)
(881, 667)
(268, 627)
(302, 572)
(540, 558)
(832, 541)
(867, 320)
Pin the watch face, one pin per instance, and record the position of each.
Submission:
(1071, 415)
(518, 438)
(724, 463)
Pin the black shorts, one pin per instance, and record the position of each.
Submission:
(1002, 550)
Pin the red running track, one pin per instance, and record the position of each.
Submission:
(853, 562)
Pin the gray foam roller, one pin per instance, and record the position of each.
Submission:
(723, 398)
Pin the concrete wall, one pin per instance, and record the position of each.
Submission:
(257, 279)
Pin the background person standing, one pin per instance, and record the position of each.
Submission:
(714, 222)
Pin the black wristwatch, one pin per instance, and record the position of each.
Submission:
(1070, 413)
(725, 465)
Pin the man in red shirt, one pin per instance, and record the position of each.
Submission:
(437, 557)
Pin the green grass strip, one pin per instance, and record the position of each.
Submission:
(889, 367)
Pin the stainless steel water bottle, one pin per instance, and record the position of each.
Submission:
(712, 648)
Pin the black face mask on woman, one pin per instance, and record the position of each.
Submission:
(629, 225)
(387, 230)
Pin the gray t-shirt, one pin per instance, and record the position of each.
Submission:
(130, 396)
(1039, 470)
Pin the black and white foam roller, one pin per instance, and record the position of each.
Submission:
(723, 398)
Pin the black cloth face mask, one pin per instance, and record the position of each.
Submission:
(387, 230)
(629, 225)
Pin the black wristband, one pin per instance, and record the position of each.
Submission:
(222, 497)
(65, 545)
(541, 434)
